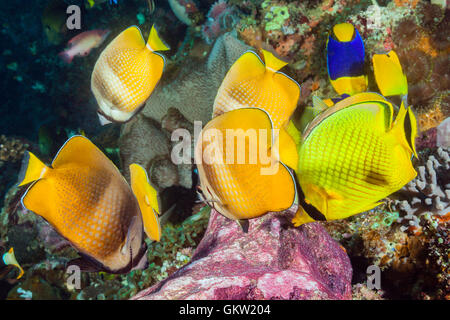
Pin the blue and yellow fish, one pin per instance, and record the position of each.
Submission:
(345, 60)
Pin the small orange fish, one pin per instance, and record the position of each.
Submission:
(86, 199)
(82, 44)
(252, 83)
(126, 73)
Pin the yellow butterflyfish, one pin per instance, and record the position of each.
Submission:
(352, 156)
(9, 259)
(86, 199)
(126, 73)
(389, 74)
(252, 83)
(239, 176)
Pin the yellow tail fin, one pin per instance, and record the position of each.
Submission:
(148, 201)
(154, 42)
(272, 62)
(10, 259)
(32, 169)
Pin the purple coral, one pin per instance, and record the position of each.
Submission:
(272, 261)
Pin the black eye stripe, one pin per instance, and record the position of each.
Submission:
(408, 130)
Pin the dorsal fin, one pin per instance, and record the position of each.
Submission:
(272, 63)
(319, 104)
(154, 42)
(357, 98)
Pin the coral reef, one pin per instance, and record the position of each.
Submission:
(428, 194)
(271, 261)
(221, 18)
(11, 149)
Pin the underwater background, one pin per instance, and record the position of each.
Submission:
(46, 100)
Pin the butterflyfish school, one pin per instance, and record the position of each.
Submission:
(126, 73)
(345, 60)
(86, 199)
(250, 82)
(353, 155)
(239, 176)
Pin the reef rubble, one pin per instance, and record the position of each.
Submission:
(272, 261)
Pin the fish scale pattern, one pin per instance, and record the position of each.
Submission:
(234, 183)
(253, 93)
(129, 77)
(92, 211)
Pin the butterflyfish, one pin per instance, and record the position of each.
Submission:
(389, 75)
(353, 155)
(345, 60)
(126, 73)
(87, 201)
(250, 82)
(240, 175)
(9, 259)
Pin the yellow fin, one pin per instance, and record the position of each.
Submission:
(320, 104)
(41, 199)
(129, 38)
(10, 259)
(32, 169)
(344, 31)
(154, 42)
(148, 201)
(288, 149)
(350, 85)
(292, 130)
(272, 62)
(389, 74)
(301, 217)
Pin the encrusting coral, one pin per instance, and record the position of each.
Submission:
(11, 149)
(272, 261)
